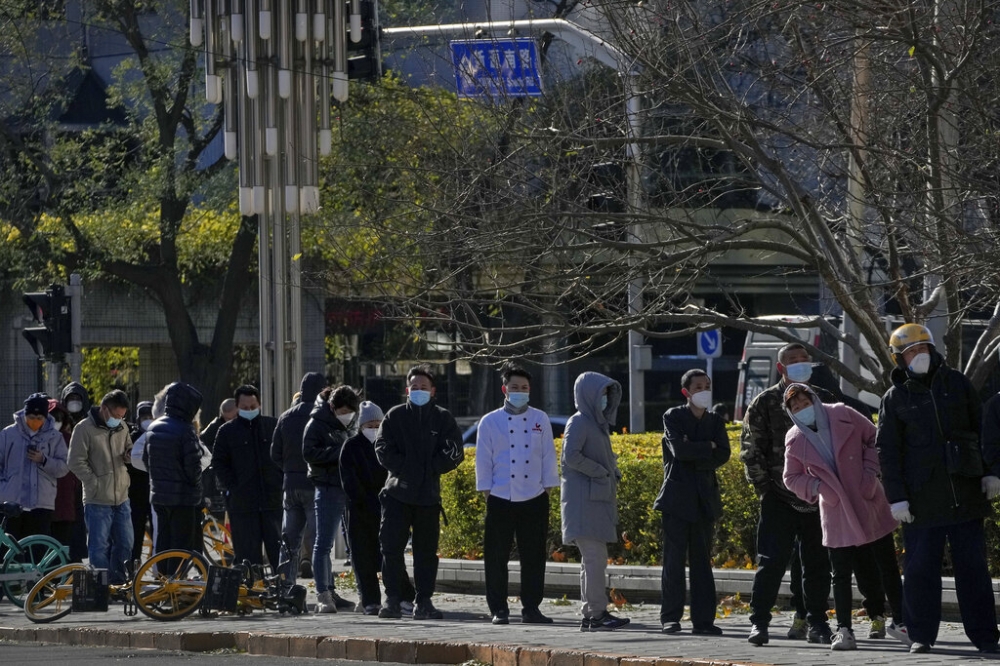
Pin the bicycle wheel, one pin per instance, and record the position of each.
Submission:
(170, 585)
(36, 556)
(52, 597)
(217, 542)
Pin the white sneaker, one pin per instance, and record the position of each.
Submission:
(325, 603)
(899, 632)
(843, 640)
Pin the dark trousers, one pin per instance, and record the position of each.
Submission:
(922, 581)
(777, 531)
(142, 522)
(78, 537)
(874, 564)
(366, 557)
(253, 531)
(177, 527)
(691, 542)
(36, 521)
(798, 600)
(398, 519)
(528, 522)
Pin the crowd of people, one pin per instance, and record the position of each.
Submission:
(833, 488)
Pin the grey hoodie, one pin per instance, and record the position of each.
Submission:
(589, 467)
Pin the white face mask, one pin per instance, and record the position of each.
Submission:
(920, 364)
(799, 373)
(702, 399)
(346, 419)
(145, 424)
(74, 406)
(370, 433)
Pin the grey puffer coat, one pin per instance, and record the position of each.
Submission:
(589, 467)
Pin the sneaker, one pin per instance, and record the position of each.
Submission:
(758, 635)
(390, 612)
(899, 632)
(920, 648)
(426, 611)
(325, 603)
(608, 622)
(671, 627)
(305, 569)
(501, 617)
(534, 616)
(707, 630)
(372, 609)
(989, 648)
(341, 603)
(877, 629)
(843, 640)
(406, 607)
(820, 633)
(799, 629)
(586, 624)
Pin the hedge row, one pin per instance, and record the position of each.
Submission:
(640, 460)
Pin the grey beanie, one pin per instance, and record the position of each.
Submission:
(369, 411)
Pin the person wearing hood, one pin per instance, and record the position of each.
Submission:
(76, 400)
(328, 428)
(32, 458)
(298, 525)
(831, 460)
(938, 486)
(173, 456)
(695, 444)
(589, 492)
(98, 450)
(65, 515)
(417, 443)
(138, 482)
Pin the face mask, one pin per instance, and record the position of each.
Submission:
(346, 419)
(702, 399)
(807, 416)
(145, 424)
(419, 398)
(370, 433)
(920, 364)
(518, 399)
(112, 422)
(74, 406)
(799, 372)
(249, 414)
(604, 401)
(34, 425)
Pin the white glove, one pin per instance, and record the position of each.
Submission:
(901, 512)
(990, 486)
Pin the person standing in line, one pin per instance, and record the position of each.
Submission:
(138, 483)
(589, 492)
(515, 467)
(831, 460)
(75, 399)
(299, 518)
(329, 426)
(417, 443)
(250, 480)
(98, 450)
(694, 446)
(32, 459)
(67, 486)
(216, 501)
(938, 486)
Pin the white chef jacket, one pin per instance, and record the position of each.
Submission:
(516, 455)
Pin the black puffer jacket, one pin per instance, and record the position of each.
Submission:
(917, 417)
(324, 438)
(243, 465)
(361, 475)
(286, 445)
(173, 452)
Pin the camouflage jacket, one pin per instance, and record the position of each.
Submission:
(762, 444)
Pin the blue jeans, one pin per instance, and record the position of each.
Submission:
(330, 502)
(109, 538)
(298, 522)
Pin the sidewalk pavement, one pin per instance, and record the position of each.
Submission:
(466, 634)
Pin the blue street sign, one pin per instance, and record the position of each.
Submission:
(710, 343)
(496, 68)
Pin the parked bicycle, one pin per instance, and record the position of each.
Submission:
(25, 560)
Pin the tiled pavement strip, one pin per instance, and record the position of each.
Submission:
(466, 634)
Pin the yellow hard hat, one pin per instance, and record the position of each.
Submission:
(905, 337)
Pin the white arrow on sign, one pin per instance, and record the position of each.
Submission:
(710, 343)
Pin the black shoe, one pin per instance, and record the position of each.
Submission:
(707, 630)
(305, 570)
(341, 603)
(989, 648)
(587, 624)
(501, 617)
(425, 611)
(390, 612)
(608, 622)
(820, 633)
(758, 635)
(671, 627)
(534, 616)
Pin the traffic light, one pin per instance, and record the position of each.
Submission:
(51, 311)
(364, 59)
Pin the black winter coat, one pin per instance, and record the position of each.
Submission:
(417, 445)
(991, 435)
(286, 445)
(243, 465)
(324, 437)
(361, 474)
(915, 421)
(173, 451)
(690, 489)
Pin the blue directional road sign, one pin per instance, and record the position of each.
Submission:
(710, 343)
(496, 68)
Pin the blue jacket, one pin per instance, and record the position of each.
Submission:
(31, 485)
(173, 452)
(286, 445)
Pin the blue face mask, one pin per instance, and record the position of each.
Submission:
(799, 373)
(517, 399)
(112, 422)
(604, 402)
(419, 398)
(807, 416)
(249, 414)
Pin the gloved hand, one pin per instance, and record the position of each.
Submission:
(901, 512)
(990, 486)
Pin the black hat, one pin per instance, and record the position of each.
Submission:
(37, 404)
